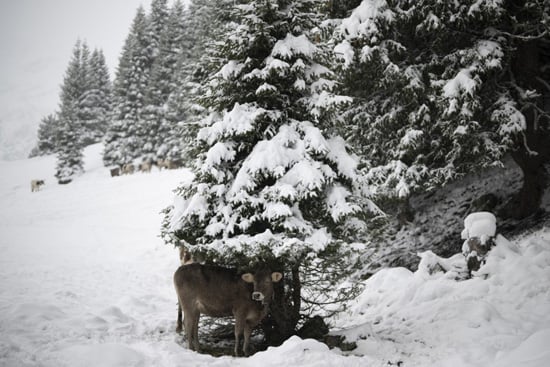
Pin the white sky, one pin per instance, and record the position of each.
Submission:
(36, 42)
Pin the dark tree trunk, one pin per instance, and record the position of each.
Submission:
(533, 147)
(535, 181)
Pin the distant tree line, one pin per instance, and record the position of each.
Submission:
(84, 112)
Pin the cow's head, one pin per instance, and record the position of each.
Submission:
(263, 284)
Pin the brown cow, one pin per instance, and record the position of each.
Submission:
(128, 169)
(219, 292)
(169, 163)
(174, 164)
(145, 166)
(115, 171)
(161, 163)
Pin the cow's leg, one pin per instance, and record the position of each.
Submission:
(188, 330)
(179, 322)
(189, 320)
(239, 328)
(196, 332)
(247, 331)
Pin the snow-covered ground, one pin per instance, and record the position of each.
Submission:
(86, 281)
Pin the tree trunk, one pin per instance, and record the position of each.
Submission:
(533, 148)
(535, 181)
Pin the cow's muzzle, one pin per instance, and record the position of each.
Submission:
(258, 296)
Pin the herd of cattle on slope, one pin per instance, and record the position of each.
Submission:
(127, 169)
(145, 166)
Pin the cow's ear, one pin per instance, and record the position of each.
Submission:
(249, 278)
(275, 277)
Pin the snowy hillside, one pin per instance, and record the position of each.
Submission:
(17, 140)
(86, 281)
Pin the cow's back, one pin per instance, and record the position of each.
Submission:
(212, 290)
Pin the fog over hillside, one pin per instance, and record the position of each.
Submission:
(36, 39)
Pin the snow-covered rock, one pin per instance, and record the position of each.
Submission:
(480, 225)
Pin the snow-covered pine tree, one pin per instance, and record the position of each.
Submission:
(70, 162)
(74, 80)
(69, 154)
(443, 88)
(162, 84)
(47, 136)
(156, 64)
(269, 186)
(156, 25)
(205, 21)
(204, 24)
(123, 139)
(96, 101)
(86, 94)
(83, 107)
(338, 9)
(116, 129)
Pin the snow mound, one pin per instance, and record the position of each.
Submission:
(433, 318)
(299, 352)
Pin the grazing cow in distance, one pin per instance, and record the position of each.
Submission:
(218, 292)
(128, 169)
(169, 163)
(36, 184)
(161, 163)
(173, 164)
(115, 171)
(145, 166)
